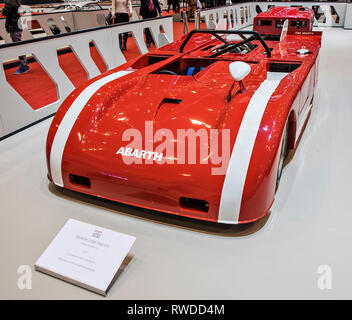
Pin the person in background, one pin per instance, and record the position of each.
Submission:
(149, 9)
(201, 4)
(12, 25)
(108, 18)
(192, 8)
(169, 4)
(176, 6)
(122, 12)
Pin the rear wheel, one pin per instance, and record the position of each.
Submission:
(283, 155)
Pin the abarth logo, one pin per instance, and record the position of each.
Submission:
(142, 154)
(97, 234)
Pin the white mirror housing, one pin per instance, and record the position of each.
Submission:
(239, 70)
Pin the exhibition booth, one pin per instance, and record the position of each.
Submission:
(91, 197)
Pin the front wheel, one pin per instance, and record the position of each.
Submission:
(283, 155)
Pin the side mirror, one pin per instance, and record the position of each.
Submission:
(239, 70)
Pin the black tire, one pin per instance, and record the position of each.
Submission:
(283, 155)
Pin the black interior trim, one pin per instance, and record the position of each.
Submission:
(231, 47)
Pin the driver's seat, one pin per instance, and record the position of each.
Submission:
(191, 71)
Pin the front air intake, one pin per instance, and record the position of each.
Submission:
(284, 66)
(194, 204)
(79, 180)
(171, 100)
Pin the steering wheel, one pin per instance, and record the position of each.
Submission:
(164, 71)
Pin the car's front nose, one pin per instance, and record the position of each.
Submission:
(179, 189)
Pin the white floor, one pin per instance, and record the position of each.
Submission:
(310, 224)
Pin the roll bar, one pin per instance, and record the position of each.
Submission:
(215, 33)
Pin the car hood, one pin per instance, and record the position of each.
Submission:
(168, 101)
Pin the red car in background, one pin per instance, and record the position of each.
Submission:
(271, 22)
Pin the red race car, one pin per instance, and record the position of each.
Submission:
(271, 22)
(198, 128)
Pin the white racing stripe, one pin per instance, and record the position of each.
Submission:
(232, 190)
(68, 121)
(303, 118)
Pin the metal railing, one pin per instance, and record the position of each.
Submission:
(16, 113)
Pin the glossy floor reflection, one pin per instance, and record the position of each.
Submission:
(176, 258)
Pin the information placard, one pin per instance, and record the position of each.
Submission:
(85, 255)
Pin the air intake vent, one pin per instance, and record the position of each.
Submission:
(79, 180)
(283, 67)
(171, 100)
(194, 204)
